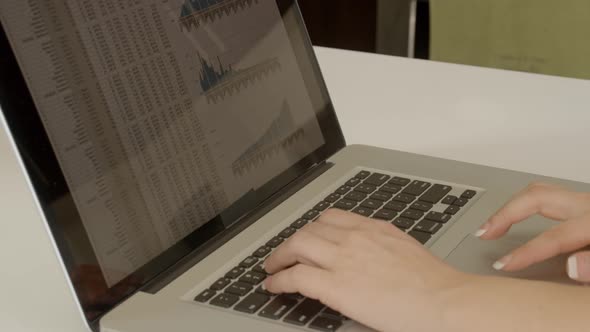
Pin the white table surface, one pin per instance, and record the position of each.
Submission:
(526, 122)
(517, 121)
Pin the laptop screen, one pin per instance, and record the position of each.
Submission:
(150, 127)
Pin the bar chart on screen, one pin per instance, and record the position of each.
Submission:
(196, 13)
(220, 81)
(281, 135)
(246, 86)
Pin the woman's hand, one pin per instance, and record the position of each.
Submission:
(368, 270)
(553, 202)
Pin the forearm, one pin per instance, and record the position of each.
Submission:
(499, 304)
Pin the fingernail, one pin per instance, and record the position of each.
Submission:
(263, 285)
(501, 264)
(572, 268)
(481, 232)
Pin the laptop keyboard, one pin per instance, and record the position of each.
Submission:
(408, 204)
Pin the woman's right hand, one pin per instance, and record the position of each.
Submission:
(553, 202)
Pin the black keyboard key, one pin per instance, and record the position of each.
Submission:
(365, 188)
(220, 284)
(253, 278)
(363, 211)
(258, 268)
(377, 179)
(353, 182)
(239, 288)
(372, 204)
(391, 188)
(249, 262)
(205, 296)
(333, 198)
(252, 303)
(325, 324)
(461, 202)
(322, 206)
(442, 218)
(262, 252)
(278, 307)
(287, 232)
(428, 226)
(356, 196)
(331, 313)
(449, 200)
(295, 296)
(404, 198)
(235, 273)
(304, 312)
(422, 206)
(398, 181)
(413, 214)
(345, 204)
(452, 210)
(311, 215)
(395, 206)
(225, 300)
(387, 215)
(469, 194)
(403, 223)
(261, 290)
(381, 196)
(435, 193)
(416, 188)
(275, 242)
(300, 223)
(420, 236)
(363, 175)
(343, 190)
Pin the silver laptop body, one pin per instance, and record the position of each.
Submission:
(170, 146)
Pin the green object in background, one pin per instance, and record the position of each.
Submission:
(541, 36)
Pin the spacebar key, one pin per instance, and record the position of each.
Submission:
(278, 307)
(304, 312)
(252, 303)
(325, 324)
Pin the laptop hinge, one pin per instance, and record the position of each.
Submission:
(192, 259)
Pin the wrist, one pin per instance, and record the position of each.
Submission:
(455, 299)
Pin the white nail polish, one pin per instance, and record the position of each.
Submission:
(572, 268)
(499, 266)
(480, 232)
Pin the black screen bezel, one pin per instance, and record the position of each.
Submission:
(44, 172)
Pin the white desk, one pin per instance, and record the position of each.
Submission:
(511, 120)
(526, 122)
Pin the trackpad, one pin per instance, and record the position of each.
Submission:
(476, 256)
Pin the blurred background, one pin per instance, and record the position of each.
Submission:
(538, 36)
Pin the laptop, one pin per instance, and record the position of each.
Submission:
(172, 145)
